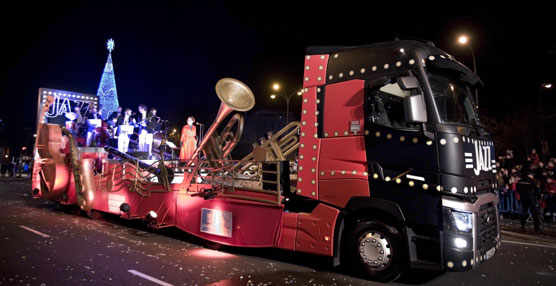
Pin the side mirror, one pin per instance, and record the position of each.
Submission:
(408, 82)
(415, 109)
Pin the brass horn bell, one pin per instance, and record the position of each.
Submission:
(235, 95)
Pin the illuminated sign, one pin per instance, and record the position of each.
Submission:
(64, 102)
(216, 222)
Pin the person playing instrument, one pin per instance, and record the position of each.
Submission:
(145, 137)
(100, 113)
(116, 114)
(78, 121)
(152, 115)
(93, 114)
(188, 140)
(123, 137)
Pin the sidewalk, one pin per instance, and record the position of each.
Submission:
(512, 227)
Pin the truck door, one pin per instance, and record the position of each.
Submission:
(402, 161)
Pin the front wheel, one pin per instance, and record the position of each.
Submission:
(376, 250)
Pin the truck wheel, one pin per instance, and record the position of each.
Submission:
(376, 251)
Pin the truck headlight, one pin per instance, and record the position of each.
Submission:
(463, 220)
(460, 242)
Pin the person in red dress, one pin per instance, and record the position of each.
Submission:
(188, 140)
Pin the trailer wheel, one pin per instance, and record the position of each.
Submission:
(376, 250)
(94, 214)
(212, 245)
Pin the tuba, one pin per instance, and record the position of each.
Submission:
(235, 95)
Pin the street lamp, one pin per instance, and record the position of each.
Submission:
(464, 40)
(276, 87)
(544, 86)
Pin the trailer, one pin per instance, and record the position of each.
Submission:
(389, 168)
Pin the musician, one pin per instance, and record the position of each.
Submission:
(116, 114)
(188, 140)
(100, 113)
(152, 115)
(113, 131)
(123, 138)
(78, 121)
(93, 114)
(145, 137)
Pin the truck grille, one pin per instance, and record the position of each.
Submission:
(487, 227)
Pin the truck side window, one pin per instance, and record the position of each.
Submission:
(386, 105)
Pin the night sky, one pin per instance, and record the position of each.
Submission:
(170, 54)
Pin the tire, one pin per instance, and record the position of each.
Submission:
(212, 245)
(94, 215)
(375, 250)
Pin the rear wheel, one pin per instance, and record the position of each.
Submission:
(375, 249)
(212, 245)
(94, 214)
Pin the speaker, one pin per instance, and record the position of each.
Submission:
(141, 155)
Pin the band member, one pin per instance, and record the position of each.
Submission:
(113, 125)
(93, 114)
(152, 115)
(188, 140)
(116, 114)
(145, 137)
(79, 121)
(123, 137)
(100, 113)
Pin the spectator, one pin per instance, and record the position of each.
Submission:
(549, 191)
(509, 162)
(26, 168)
(534, 157)
(550, 168)
(540, 173)
(529, 195)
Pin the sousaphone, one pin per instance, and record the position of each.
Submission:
(235, 95)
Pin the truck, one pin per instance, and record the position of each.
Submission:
(389, 168)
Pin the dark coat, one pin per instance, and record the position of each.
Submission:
(528, 190)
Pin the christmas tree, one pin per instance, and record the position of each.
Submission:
(107, 88)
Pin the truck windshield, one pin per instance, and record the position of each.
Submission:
(453, 99)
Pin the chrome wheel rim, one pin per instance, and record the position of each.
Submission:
(374, 250)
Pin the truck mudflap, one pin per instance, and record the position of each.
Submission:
(465, 249)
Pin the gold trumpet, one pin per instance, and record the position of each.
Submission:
(235, 95)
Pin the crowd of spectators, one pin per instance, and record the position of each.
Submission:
(542, 171)
(15, 169)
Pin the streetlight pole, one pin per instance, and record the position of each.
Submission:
(276, 87)
(544, 86)
(464, 40)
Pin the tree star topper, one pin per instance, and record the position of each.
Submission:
(110, 45)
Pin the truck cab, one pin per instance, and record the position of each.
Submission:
(391, 137)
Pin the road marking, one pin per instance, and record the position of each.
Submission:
(545, 273)
(96, 223)
(34, 231)
(529, 244)
(150, 278)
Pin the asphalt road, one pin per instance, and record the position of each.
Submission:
(42, 245)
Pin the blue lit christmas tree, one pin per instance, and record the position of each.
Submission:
(107, 92)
